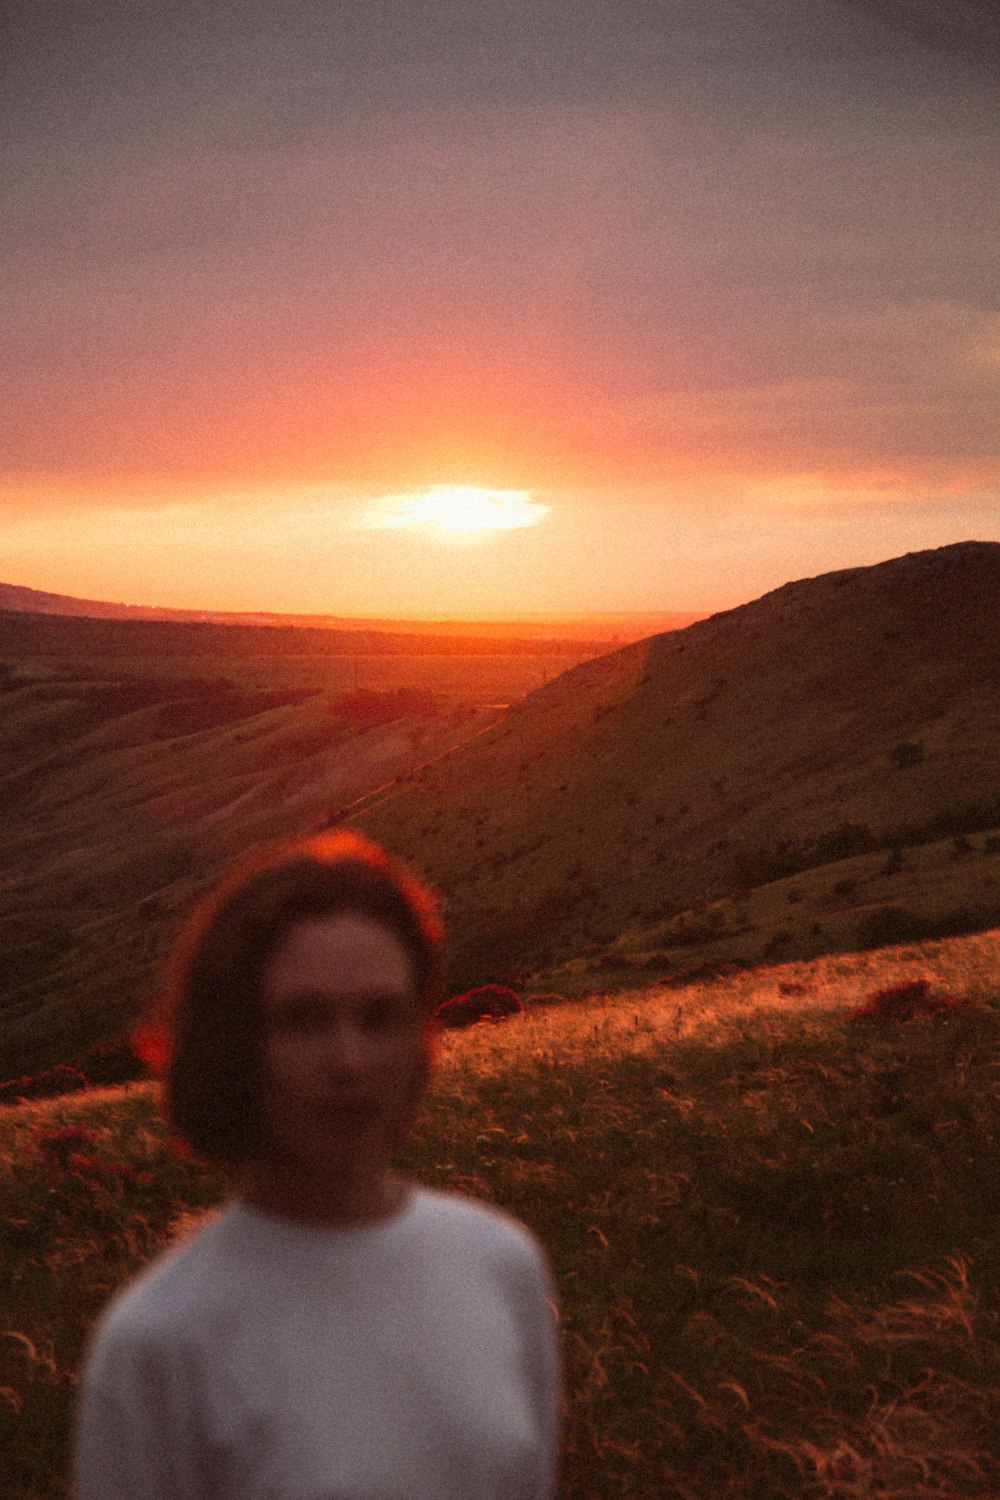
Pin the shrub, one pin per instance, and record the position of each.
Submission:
(907, 753)
(487, 1002)
(970, 818)
(905, 1002)
(368, 706)
(110, 1062)
(895, 924)
(61, 1079)
(842, 843)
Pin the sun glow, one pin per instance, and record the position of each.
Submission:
(456, 512)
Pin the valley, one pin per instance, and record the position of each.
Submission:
(813, 772)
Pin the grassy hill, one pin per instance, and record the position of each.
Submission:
(138, 757)
(124, 795)
(812, 772)
(839, 717)
(773, 1227)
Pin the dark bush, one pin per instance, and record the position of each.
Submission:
(895, 924)
(904, 1002)
(691, 933)
(907, 753)
(487, 1002)
(367, 706)
(842, 843)
(61, 1079)
(110, 1062)
(972, 818)
(754, 867)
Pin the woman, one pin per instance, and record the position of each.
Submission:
(334, 1332)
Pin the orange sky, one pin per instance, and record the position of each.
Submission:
(729, 316)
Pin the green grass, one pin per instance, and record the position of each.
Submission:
(774, 1230)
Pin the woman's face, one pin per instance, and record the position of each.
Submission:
(344, 1048)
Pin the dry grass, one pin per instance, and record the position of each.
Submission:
(969, 966)
(763, 742)
(773, 1228)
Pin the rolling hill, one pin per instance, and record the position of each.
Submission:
(836, 716)
(814, 771)
(137, 756)
(124, 794)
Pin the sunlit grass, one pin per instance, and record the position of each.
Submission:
(773, 1228)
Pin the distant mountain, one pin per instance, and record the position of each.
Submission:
(14, 596)
(855, 711)
(607, 628)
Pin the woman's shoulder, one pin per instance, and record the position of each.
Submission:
(475, 1225)
(181, 1283)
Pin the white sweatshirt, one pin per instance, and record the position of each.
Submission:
(411, 1359)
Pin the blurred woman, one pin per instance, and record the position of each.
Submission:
(334, 1332)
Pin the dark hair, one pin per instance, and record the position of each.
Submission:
(207, 1033)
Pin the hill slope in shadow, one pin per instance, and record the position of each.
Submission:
(850, 712)
(124, 794)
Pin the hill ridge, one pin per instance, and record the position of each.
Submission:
(761, 740)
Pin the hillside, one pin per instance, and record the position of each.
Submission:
(809, 773)
(123, 794)
(772, 1226)
(848, 713)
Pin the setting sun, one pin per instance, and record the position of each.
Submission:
(456, 512)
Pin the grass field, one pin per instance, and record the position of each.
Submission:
(773, 1225)
(938, 889)
(481, 678)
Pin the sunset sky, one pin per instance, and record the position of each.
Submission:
(486, 306)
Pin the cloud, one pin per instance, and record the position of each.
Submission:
(381, 244)
(970, 28)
